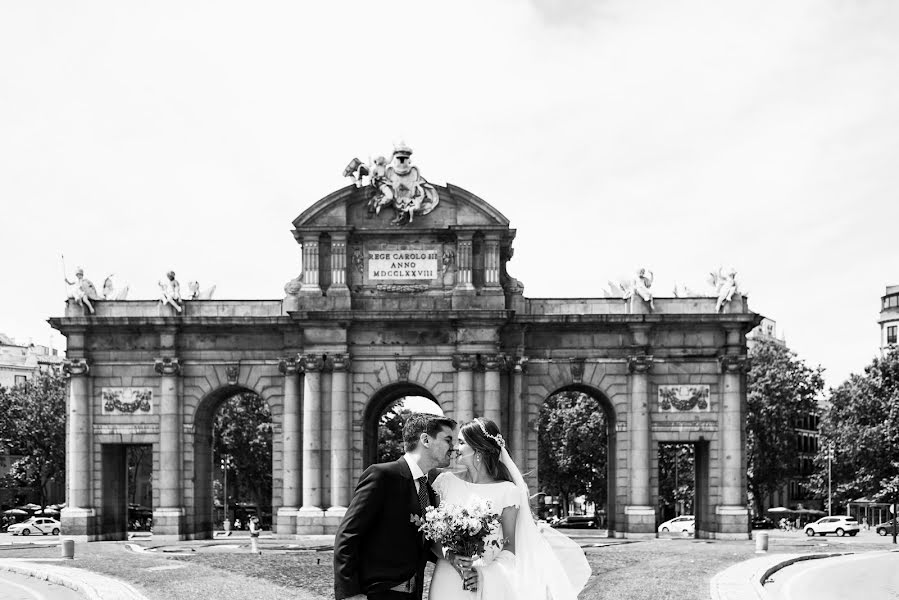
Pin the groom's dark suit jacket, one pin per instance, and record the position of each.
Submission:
(377, 546)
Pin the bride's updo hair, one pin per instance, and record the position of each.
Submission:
(484, 437)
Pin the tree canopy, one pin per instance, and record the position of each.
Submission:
(572, 447)
(860, 422)
(781, 389)
(390, 432)
(242, 429)
(33, 427)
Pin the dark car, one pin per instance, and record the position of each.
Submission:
(576, 522)
(885, 528)
(763, 523)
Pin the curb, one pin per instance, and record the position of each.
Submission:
(87, 583)
(746, 580)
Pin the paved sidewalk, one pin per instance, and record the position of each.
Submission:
(92, 586)
(743, 581)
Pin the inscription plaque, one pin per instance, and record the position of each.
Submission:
(407, 264)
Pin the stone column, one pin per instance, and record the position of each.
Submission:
(519, 410)
(310, 265)
(732, 514)
(464, 365)
(464, 262)
(168, 518)
(492, 365)
(340, 441)
(639, 512)
(291, 436)
(78, 515)
(338, 263)
(491, 262)
(310, 519)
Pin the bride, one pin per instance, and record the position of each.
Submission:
(528, 563)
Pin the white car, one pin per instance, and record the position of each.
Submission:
(840, 525)
(42, 525)
(681, 524)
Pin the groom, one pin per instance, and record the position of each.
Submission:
(378, 551)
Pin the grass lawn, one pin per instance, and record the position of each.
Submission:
(675, 569)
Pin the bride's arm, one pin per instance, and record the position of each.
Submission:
(509, 518)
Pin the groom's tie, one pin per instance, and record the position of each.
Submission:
(423, 498)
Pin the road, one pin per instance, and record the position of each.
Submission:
(22, 587)
(868, 576)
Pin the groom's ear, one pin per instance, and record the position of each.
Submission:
(424, 439)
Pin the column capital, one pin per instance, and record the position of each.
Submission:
(734, 363)
(167, 366)
(494, 362)
(463, 362)
(337, 362)
(519, 364)
(312, 363)
(289, 365)
(75, 366)
(639, 363)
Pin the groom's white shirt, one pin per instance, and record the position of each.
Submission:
(413, 466)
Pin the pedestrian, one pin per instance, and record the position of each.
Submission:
(237, 524)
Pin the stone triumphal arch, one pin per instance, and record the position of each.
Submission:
(403, 289)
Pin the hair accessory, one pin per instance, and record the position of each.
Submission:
(498, 438)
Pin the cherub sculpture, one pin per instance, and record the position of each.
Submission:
(197, 294)
(171, 291)
(639, 286)
(82, 290)
(725, 284)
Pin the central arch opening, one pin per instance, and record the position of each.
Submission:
(384, 418)
(233, 461)
(576, 438)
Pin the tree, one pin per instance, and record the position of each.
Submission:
(781, 389)
(242, 429)
(860, 423)
(33, 427)
(390, 432)
(573, 447)
(676, 479)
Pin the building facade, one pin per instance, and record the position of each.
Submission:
(412, 300)
(889, 317)
(19, 362)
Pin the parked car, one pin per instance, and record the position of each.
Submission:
(42, 525)
(576, 522)
(885, 528)
(681, 524)
(763, 523)
(840, 525)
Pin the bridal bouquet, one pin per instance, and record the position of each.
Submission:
(461, 529)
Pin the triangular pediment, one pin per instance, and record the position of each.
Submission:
(349, 208)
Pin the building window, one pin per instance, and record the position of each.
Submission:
(21, 379)
(891, 334)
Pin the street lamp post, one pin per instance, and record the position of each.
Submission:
(226, 464)
(829, 497)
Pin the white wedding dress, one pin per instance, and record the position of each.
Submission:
(446, 584)
(546, 564)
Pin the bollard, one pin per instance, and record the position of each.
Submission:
(68, 549)
(761, 542)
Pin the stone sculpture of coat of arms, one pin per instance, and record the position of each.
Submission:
(396, 184)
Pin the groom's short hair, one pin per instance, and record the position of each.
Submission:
(419, 423)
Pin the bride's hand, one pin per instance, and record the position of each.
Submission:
(460, 563)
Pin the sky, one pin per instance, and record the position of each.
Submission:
(681, 136)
